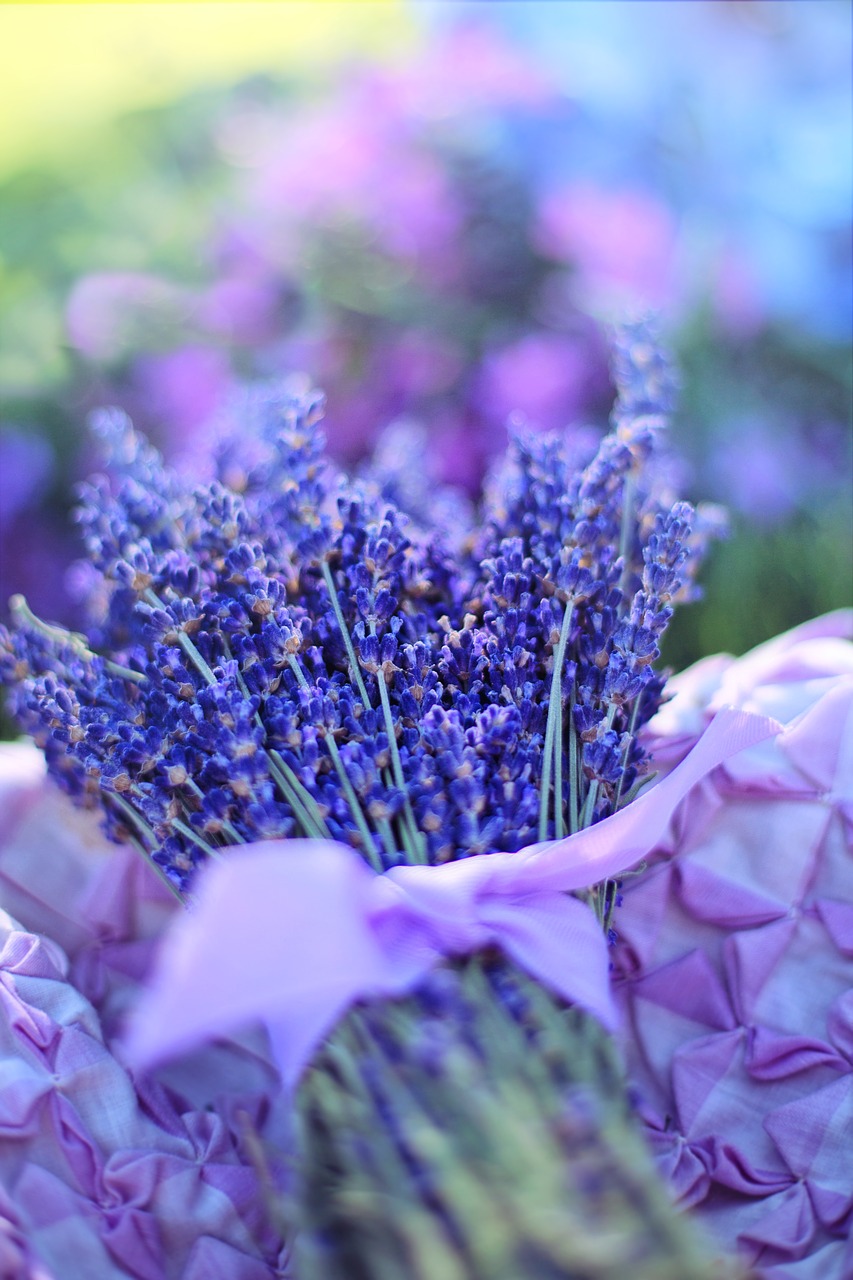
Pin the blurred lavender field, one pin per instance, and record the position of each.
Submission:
(442, 238)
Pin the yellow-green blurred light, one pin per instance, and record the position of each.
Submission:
(67, 66)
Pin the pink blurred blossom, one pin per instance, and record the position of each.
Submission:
(353, 164)
(622, 243)
(109, 313)
(243, 309)
(363, 158)
(736, 293)
(471, 66)
(179, 390)
(544, 377)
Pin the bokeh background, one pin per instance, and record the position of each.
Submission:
(434, 211)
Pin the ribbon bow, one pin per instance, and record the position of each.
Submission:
(295, 931)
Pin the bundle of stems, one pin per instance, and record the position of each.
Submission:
(479, 1130)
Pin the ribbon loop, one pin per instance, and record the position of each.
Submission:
(295, 931)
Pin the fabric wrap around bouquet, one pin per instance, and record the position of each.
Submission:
(310, 929)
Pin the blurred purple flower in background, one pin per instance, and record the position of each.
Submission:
(621, 244)
(35, 551)
(183, 387)
(26, 465)
(432, 240)
(110, 313)
(544, 377)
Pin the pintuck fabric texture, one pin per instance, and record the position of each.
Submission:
(102, 1176)
(736, 964)
(734, 972)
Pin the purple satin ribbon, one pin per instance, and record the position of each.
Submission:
(295, 931)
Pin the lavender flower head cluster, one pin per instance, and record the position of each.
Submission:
(284, 651)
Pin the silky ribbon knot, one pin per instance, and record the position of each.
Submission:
(296, 931)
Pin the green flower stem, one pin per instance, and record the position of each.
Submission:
(555, 716)
(632, 728)
(184, 641)
(411, 839)
(588, 811)
(637, 788)
(355, 669)
(24, 616)
(559, 816)
(627, 529)
(414, 842)
(292, 791)
(187, 831)
(244, 688)
(600, 893)
(349, 791)
(386, 831)
(574, 770)
(148, 834)
(305, 808)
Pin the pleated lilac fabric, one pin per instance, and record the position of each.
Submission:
(733, 973)
(736, 964)
(103, 1176)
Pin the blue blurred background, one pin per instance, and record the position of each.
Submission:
(433, 211)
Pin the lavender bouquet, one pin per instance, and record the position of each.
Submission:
(313, 666)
